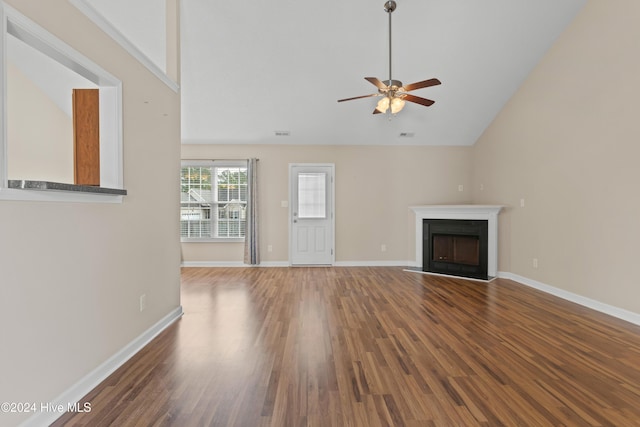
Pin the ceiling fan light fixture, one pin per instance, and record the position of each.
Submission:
(397, 104)
(394, 93)
(383, 104)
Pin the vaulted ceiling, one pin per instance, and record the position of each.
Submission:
(250, 69)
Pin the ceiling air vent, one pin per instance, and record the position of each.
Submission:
(407, 134)
(282, 133)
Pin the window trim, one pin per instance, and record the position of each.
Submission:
(111, 152)
(209, 163)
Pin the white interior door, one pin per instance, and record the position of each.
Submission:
(311, 219)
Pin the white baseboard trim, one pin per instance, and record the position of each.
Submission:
(371, 263)
(611, 310)
(286, 264)
(213, 264)
(274, 264)
(233, 264)
(95, 377)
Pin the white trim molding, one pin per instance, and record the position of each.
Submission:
(472, 212)
(268, 264)
(77, 391)
(380, 263)
(611, 310)
(211, 264)
(106, 26)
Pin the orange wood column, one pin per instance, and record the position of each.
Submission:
(86, 137)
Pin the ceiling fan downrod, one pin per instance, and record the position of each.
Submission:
(389, 7)
(392, 92)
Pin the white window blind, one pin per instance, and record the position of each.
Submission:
(312, 195)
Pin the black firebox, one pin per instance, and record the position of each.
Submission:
(455, 246)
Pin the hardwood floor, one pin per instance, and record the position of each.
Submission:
(373, 347)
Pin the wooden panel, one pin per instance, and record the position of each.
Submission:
(86, 137)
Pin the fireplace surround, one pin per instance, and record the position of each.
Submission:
(488, 214)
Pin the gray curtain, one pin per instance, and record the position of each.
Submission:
(251, 252)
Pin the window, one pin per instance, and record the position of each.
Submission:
(312, 195)
(213, 200)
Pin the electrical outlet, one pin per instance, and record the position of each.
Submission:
(522, 203)
(270, 248)
(383, 248)
(143, 302)
(535, 263)
(460, 187)
(481, 187)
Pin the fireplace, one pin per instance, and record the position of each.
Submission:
(455, 246)
(464, 254)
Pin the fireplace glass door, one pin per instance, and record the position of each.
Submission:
(455, 246)
(456, 249)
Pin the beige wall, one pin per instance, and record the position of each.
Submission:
(39, 133)
(568, 143)
(72, 273)
(375, 185)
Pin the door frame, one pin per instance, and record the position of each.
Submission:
(332, 184)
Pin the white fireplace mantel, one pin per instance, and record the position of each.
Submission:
(473, 212)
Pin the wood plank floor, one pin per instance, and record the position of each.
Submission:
(373, 347)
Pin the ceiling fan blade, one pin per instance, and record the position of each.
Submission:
(420, 85)
(376, 82)
(358, 97)
(422, 101)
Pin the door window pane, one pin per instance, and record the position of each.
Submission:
(312, 195)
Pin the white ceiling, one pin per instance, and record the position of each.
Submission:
(252, 68)
(143, 22)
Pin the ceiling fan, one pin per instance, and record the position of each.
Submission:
(393, 93)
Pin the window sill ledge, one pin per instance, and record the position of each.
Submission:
(58, 186)
(213, 240)
(56, 191)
